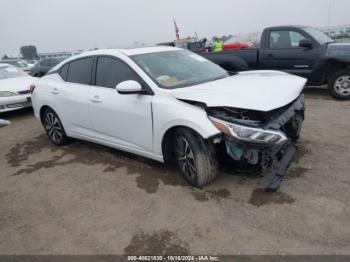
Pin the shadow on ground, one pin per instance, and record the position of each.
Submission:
(24, 158)
(17, 114)
(318, 93)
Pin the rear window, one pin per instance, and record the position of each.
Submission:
(80, 71)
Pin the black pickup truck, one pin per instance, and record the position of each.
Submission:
(299, 50)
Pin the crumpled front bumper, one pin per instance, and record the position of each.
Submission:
(290, 123)
(277, 175)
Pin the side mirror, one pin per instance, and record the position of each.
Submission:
(306, 43)
(129, 87)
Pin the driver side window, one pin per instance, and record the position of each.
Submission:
(110, 72)
(284, 39)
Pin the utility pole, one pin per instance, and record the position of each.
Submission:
(329, 14)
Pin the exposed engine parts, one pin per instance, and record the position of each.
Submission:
(274, 119)
(246, 117)
(245, 147)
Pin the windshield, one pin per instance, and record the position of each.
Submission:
(320, 37)
(174, 69)
(10, 72)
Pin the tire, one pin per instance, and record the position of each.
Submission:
(54, 128)
(195, 157)
(339, 84)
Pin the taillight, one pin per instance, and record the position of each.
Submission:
(31, 88)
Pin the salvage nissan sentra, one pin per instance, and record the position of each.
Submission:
(172, 105)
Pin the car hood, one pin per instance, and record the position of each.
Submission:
(16, 84)
(254, 90)
(339, 49)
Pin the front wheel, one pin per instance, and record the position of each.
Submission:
(339, 84)
(54, 128)
(195, 157)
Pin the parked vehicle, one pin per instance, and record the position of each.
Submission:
(31, 63)
(17, 63)
(303, 51)
(14, 88)
(234, 43)
(4, 123)
(171, 105)
(44, 66)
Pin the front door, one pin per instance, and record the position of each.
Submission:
(123, 120)
(283, 53)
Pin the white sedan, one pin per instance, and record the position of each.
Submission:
(172, 105)
(14, 88)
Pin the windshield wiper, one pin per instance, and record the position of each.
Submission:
(218, 78)
(232, 73)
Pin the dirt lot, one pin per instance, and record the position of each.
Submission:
(88, 199)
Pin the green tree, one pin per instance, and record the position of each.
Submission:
(5, 57)
(29, 52)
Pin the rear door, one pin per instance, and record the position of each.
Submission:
(122, 120)
(283, 52)
(71, 96)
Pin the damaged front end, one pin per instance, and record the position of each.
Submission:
(259, 138)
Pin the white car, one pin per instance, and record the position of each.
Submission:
(17, 63)
(31, 63)
(172, 105)
(14, 88)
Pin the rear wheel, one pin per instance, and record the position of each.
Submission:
(54, 128)
(339, 84)
(195, 157)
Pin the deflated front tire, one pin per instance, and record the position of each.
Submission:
(195, 157)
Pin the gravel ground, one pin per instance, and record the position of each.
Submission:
(88, 199)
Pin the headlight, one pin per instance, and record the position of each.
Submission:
(6, 94)
(249, 134)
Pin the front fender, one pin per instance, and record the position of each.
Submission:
(326, 66)
(175, 114)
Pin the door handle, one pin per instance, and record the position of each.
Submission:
(270, 55)
(55, 91)
(96, 99)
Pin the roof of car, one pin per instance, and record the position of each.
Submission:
(285, 26)
(5, 65)
(129, 52)
(10, 60)
(145, 50)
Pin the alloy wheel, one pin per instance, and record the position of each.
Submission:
(53, 127)
(342, 85)
(185, 158)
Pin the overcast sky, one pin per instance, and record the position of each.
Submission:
(58, 25)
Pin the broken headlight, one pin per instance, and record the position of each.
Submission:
(249, 134)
